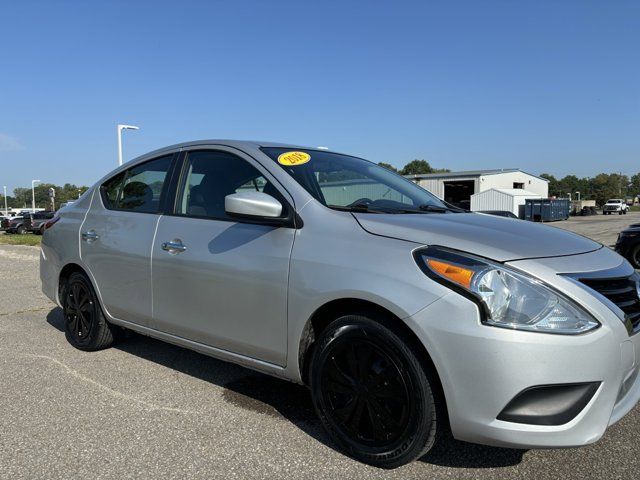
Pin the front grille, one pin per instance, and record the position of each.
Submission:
(621, 291)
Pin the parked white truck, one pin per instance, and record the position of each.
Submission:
(615, 205)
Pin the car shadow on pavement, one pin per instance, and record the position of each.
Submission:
(268, 395)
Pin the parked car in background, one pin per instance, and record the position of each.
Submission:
(628, 244)
(499, 213)
(403, 315)
(35, 222)
(4, 222)
(615, 205)
(16, 225)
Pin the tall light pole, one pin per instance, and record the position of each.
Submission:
(120, 128)
(33, 195)
(6, 210)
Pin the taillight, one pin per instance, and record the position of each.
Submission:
(51, 222)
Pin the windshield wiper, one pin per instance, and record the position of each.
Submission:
(358, 208)
(433, 208)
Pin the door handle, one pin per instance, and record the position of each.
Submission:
(90, 236)
(174, 246)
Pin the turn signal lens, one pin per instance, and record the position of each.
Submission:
(454, 273)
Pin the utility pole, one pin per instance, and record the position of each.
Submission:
(120, 128)
(33, 195)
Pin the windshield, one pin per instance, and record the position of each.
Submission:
(342, 182)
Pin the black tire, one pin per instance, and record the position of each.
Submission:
(624, 212)
(40, 230)
(20, 230)
(620, 212)
(372, 392)
(85, 326)
(634, 256)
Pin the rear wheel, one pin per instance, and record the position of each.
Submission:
(86, 327)
(21, 230)
(372, 392)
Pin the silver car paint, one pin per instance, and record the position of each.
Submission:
(119, 259)
(334, 257)
(257, 204)
(489, 236)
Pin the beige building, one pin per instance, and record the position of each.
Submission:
(457, 187)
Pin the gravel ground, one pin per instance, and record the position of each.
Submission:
(602, 228)
(145, 409)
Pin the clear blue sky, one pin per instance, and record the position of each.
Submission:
(547, 86)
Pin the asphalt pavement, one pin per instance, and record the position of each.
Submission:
(146, 409)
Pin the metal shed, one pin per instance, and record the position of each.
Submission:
(503, 199)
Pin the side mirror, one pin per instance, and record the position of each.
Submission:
(252, 206)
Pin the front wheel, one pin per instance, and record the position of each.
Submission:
(634, 256)
(372, 392)
(21, 230)
(85, 326)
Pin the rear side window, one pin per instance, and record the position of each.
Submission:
(138, 189)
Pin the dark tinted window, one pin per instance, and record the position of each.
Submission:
(111, 190)
(139, 188)
(211, 176)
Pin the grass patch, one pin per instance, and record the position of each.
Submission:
(15, 239)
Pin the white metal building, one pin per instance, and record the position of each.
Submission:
(458, 187)
(504, 199)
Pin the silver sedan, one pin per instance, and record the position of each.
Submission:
(404, 315)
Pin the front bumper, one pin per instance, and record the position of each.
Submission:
(483, 368)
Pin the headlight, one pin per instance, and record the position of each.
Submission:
(509, 299)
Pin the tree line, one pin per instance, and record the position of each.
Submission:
(600, 188)
(21, 197)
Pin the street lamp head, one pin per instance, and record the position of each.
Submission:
(127, 127)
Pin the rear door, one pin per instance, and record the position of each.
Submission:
(226, 286)
(117, 235)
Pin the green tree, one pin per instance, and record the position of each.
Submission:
(415, 167)
(634, 185)
(388, 166)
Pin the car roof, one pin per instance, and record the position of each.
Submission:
(239, 144)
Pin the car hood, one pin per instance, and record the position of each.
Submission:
(497, 238)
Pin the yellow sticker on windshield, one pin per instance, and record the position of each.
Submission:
(291, 159)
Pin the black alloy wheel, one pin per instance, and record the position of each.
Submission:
(86, 328)
(79, 311)
(372, 393)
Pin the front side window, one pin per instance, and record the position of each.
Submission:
(138, 189)
(349, 183)
(211, 176)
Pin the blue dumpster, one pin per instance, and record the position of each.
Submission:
(546, 209)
